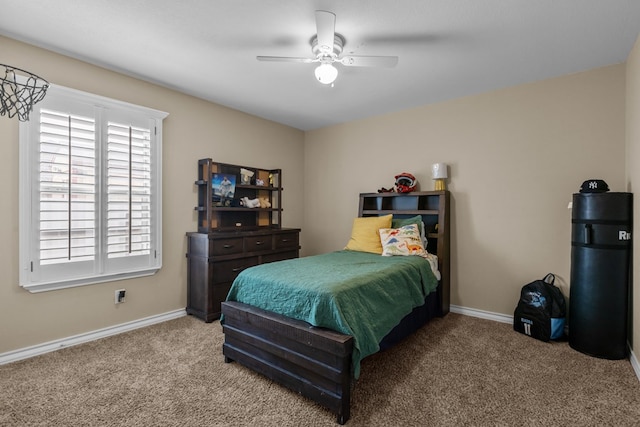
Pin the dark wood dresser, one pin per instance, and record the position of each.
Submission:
(215, 259)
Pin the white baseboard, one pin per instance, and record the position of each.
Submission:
(473, 312)
(634, 363)
(36, 350)
(503, 318)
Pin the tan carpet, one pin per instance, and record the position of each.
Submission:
(456, 371)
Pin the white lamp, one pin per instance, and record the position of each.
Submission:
(326, 73)
(439, 174)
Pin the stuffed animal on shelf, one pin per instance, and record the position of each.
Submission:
(264, 202)
(250, 203)
(386, 190)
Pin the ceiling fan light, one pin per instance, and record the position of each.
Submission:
(326, 73)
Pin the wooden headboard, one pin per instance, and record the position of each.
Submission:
(433, 207)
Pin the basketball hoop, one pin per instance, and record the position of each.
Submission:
(19, 90)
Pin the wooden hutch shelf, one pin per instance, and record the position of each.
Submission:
(232, 237)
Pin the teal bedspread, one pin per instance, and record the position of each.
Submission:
(356, 293)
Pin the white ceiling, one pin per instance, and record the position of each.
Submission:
(446, 48)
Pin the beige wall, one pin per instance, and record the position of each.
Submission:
(194, 129)
(633, 177)
(516, 156)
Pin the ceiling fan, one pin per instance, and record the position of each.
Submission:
(327, 46)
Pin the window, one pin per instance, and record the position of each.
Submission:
(90, 191)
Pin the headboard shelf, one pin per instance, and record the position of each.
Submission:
(433, 207)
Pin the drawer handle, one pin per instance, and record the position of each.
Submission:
(258, 243)
(227, 246)
(284, 240)
(235, 270)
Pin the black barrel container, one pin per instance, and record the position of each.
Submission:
(600, 272)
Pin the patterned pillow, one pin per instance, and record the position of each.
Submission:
(402, 241)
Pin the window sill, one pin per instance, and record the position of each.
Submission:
(64, 284)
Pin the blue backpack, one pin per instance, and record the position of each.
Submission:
(541, 311)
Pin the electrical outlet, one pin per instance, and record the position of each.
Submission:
(120, 296)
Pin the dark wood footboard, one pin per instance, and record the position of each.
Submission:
(314, 362)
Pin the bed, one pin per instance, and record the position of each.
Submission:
(300, 322)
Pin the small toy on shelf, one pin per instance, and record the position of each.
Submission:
(264, 202)
(245, 176)
(386, 190)
(261, 202)
(405, 183)
(250, 203)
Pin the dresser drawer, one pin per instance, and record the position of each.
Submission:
(226, 246)
(226, 271)
(279, 256)
(257, 243)
(286, 240)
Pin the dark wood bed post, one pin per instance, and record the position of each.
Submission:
(443, 252)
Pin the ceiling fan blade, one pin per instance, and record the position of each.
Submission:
(369, 61)
(326, 26)
(285, 59)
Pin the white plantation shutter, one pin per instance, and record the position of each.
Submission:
(90, 191)
(67, 190)
(128, 190)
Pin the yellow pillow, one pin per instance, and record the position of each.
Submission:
(364, 233)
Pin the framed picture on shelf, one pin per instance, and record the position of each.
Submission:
(224, 188)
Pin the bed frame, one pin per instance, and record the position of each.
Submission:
(316, 362)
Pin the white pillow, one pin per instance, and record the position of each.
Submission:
(403, 241)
